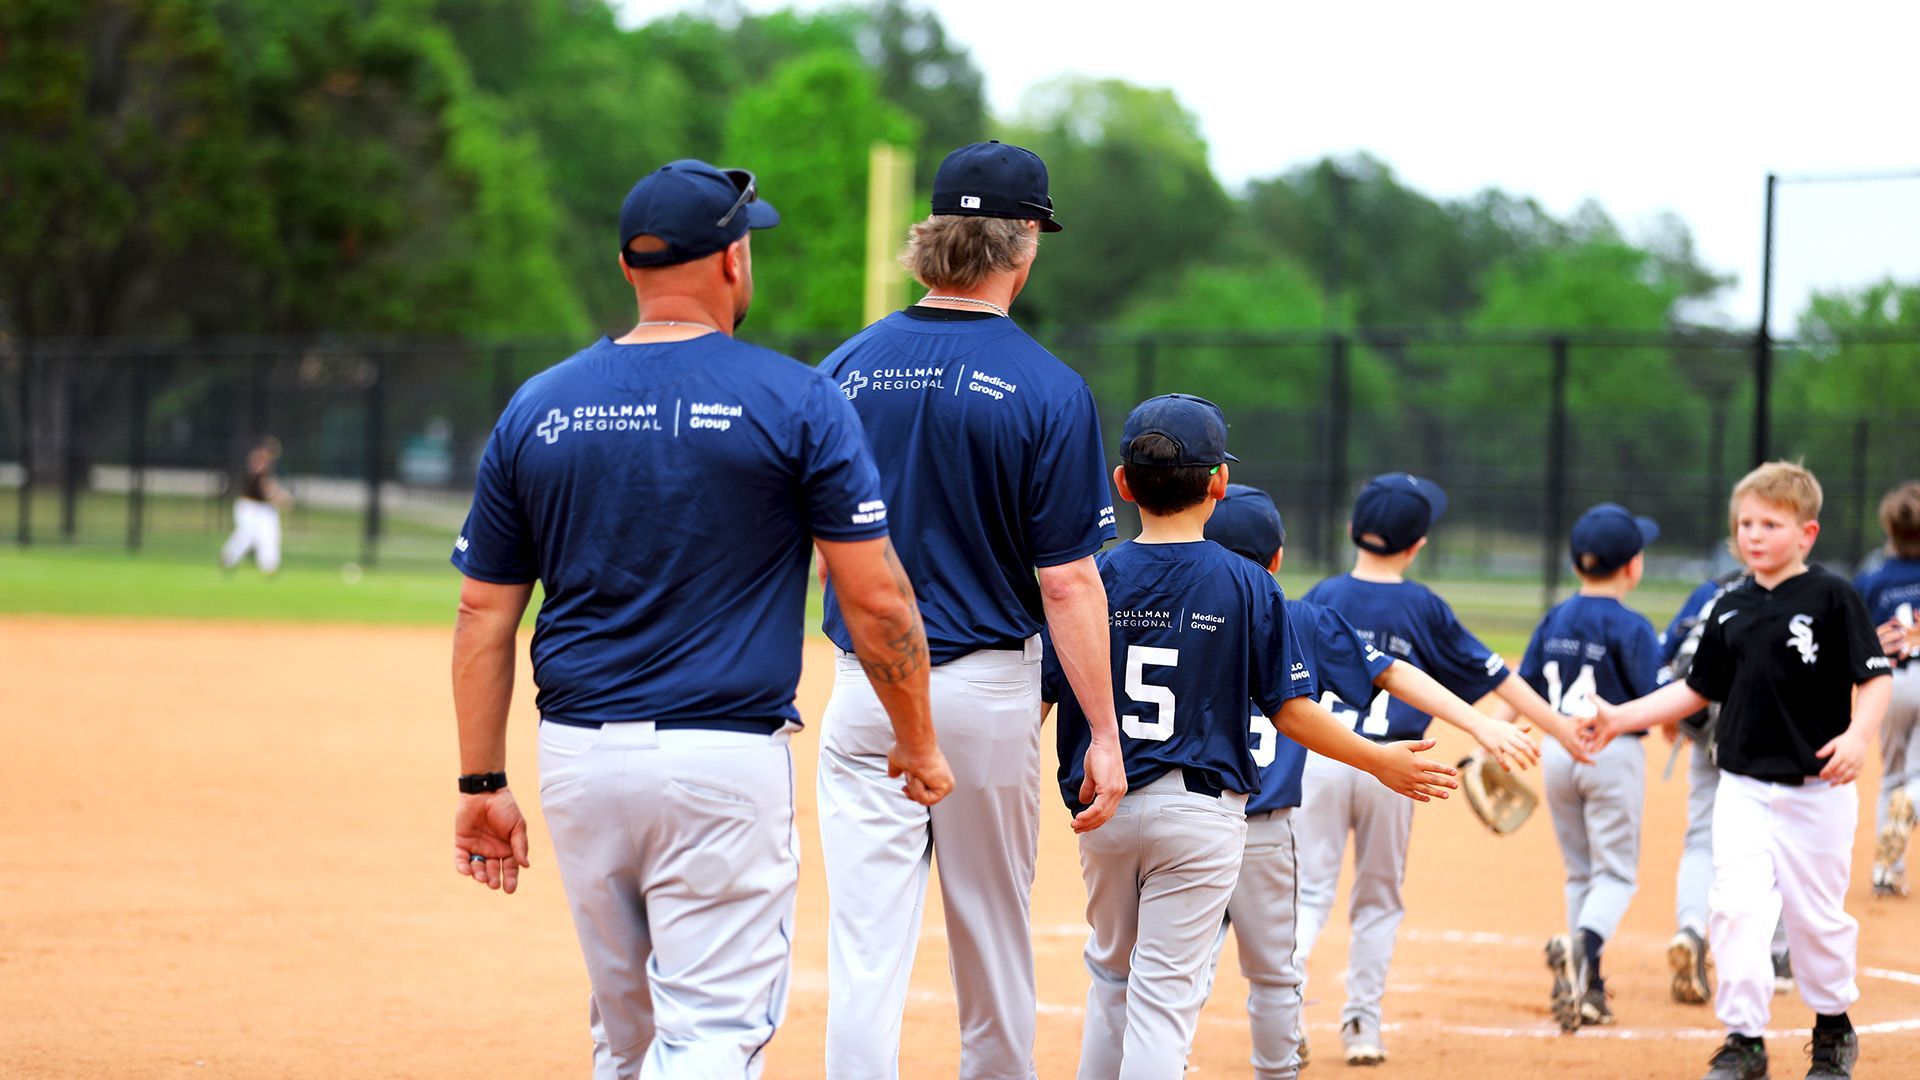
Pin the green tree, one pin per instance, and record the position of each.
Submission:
(1128, 173)
(927, 77)
(807, 133)
(1860, 354)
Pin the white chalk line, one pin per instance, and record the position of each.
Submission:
(1462, 937)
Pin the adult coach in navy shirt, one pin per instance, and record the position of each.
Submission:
(664, 489)
(996, 483)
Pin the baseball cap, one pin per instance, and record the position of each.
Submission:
(1399, 508)
(994, 179)
(1195, 425)
(1612, 535)
(1247, 523)
(696, 208)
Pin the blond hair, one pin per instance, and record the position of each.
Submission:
(1900, 520)
(953, 251)
(1787, 484)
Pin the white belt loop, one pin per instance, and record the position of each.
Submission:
(1031, 652)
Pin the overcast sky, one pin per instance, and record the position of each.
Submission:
(1684, 105)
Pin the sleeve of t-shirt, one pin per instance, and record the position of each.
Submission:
(1533, 661)
(496, 543)
(1270, 679)
(1711, 675)
(839, 484)
(1348, 665)
(1070, 504)
(1865, 659)
(1457, 660)
(1644, 667)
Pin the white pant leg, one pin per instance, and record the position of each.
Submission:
(1744, 903)
(1567, 806)
(680, 860)
(1177, 863)
(1695, 876)
(1382, 827)
(876, 845)
(266, 548)
(1900, 746)
(1813, 827)
(1613, 793)
(986, 842)
(243, 537)
(1321, 825)
(1262, 912)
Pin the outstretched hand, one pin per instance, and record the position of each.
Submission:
(1507, 744)
(1404, 771)
(928, 777)
(1846, 754)
(490, 826)
(1105, 783)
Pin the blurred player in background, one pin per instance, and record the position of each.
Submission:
(1892, 593)
(256, 512)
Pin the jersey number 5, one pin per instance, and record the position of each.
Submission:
(1160, 728)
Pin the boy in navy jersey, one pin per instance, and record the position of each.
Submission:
(1196, 633)
(1892, 593)
(1593, 646)
(1801, 678)
(1405, 620)
(1325, 646)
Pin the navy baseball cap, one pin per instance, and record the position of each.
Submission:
(1399, 508)
(696, 208)
(994, 179)
(1613, 535)
(1195, 425)
(1247, 523)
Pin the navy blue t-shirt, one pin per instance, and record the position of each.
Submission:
(666, 496)
(1588, 647)
(1196, 633)
(1891, 590)
(1336, 665)
(991, 465)
(1408, 621)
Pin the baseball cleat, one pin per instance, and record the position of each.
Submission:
(1593, 1004)
(1738, 1059)
(1566, 998)
(1890, 844)
(1687, 956)
(1362, 1043)
(1305, 1055)
(1782, 973)
(1888, 883)
(1833, 1054)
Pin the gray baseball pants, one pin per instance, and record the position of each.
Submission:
(1159, 876)
(680, 861)
(1262, 915)
(878, 846)
(1337, 799)
(1596, 817)
(1900, 746)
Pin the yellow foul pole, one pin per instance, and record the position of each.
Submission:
(889, 191)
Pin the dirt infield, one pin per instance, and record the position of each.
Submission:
(231, 858)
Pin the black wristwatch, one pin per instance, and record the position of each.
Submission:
(482, 782)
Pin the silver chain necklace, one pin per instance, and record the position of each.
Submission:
(988, 304)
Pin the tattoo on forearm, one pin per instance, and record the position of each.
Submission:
(904, 649)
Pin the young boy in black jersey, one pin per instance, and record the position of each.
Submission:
(1803, 684)
(1196, 632)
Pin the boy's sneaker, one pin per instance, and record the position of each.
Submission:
(1566, 994)
(1738, 1059)
(1890, 844)
(1834, 1053)
(1782, 973)
(1593, 1004)
(1305, 1055)
(1687, 956)
(1888, 884)
(1362, 1043)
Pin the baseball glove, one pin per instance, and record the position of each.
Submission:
(1502, 800)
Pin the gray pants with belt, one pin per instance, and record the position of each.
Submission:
(1336, 800)
(1262, 916)
(878, 847)
(1900, 746)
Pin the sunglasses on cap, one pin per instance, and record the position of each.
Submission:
(749, 192)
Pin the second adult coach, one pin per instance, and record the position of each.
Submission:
(996, 489)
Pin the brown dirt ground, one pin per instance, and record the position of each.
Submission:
(231, 859)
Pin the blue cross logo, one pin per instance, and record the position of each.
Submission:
(852, 384)
(552, 426)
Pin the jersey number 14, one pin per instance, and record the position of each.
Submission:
(1575, 700)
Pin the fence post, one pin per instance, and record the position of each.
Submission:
(70, 454)
(376, 429)
(1856, 534)
(24, 526)
(1143, 370)
(1339, 405)
(1763, 344)
(1716, 466)
(1556, 516)
(502, 378)
(137, 456)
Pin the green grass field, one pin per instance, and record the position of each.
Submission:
(50, 579)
